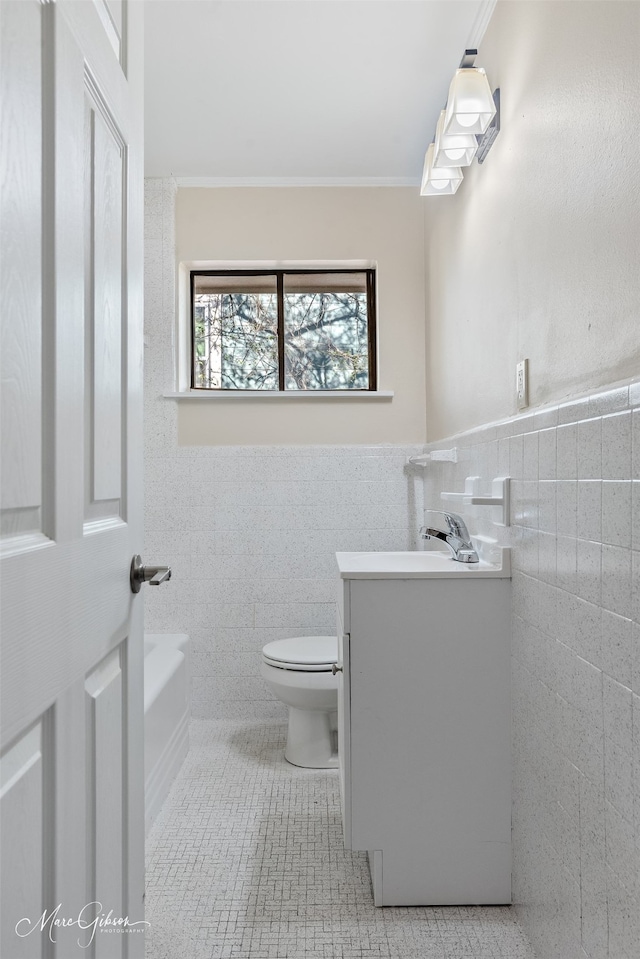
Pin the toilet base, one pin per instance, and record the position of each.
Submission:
(311, 739)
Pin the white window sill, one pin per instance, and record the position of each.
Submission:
(285, 395)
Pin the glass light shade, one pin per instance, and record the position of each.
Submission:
(453, 149)
(439, 181)
(470, 106)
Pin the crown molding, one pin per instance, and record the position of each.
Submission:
(300, 181)
(480, 24)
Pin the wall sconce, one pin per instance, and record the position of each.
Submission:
(470, 107)
(439, 181)
(452, 149)
(466, 128)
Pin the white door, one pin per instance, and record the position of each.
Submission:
(71, 311)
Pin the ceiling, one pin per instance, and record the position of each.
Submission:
(300, 90)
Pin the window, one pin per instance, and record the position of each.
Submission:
(282, 330)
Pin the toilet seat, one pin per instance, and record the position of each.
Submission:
(302, 653)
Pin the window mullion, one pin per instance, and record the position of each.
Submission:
(280, 289)
(193, 330)
(371, 330)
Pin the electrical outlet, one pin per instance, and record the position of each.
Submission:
(522, 384)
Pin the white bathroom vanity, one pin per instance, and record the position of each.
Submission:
(424, 725)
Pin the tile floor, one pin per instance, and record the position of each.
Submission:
(246, 861)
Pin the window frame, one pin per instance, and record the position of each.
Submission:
(279, 273)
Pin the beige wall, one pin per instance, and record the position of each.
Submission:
(538, 254)
(384, 225)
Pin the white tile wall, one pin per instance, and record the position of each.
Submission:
(250, 532)
(576, 663)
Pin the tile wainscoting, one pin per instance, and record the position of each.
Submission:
(251, 533)
(575, 536)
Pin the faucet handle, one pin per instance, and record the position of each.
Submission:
(447, 522)
(451, 529)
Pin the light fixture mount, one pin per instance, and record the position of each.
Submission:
(486, 141)
(468, 59)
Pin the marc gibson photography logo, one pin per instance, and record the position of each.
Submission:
(90, 919)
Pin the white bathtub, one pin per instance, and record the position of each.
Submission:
(167, 705)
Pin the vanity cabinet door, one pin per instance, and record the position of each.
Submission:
(425, 738)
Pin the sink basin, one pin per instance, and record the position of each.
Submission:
(421, 565)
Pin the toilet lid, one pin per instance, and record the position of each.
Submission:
(304, 653)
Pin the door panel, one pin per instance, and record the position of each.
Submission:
(71, 276)
(105, 762)
(21, 273)
(107, 315)
(22, 811)
(112, 14)
(104, 256)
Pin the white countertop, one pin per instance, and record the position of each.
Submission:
(420, 565)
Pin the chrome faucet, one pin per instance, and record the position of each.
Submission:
(451, 529)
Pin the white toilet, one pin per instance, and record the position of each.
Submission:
(298, 672)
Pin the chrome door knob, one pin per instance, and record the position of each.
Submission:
(153, 575)
(336, 669)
